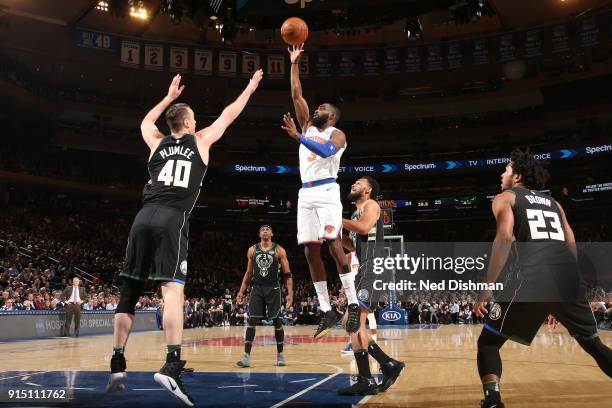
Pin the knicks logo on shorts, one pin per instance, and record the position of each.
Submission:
(184, 267)
(495, 312)
(329, 229)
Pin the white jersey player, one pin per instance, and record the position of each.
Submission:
(319, 217)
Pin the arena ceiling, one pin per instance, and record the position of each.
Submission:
(388, 16)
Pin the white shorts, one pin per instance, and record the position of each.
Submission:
(319, 214)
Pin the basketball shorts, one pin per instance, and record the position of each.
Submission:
(531, 293)
(319, 215)
(520, 322)
(364, 286)
(265, 302)
(157, 245)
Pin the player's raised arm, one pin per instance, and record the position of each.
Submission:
(301, 107)
(150, 133)
(369, 217)
(211, 134)
(288, 277)
(246, 280)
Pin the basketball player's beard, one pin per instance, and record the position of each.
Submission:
(353, 196)
(320, 120)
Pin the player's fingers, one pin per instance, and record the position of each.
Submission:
(181, 88)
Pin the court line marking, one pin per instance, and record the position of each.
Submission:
(239, 386)
(148, 389)
(299, 381)
(81, 388)
(363, 400)
(315, 385)
(33, 384)
(49, 371)
(263, 391)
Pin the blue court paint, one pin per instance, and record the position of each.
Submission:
(216, 389)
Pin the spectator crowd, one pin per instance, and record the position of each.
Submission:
(39, 254)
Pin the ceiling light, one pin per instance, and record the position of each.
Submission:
(102, 6)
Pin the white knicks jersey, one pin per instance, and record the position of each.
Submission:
(313, 167)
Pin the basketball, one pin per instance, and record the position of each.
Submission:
(294, 31)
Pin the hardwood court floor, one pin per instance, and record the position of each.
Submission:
(440, 363)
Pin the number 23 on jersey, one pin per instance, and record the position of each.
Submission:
(545, 225)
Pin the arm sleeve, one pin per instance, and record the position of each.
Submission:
(326, 149)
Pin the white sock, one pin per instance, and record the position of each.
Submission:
(373, 337)
(371, 321)
(348, 283)
(323, 295)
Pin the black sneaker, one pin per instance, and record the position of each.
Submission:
(362, 386)
(328, 321)
(491, 404)
(352, 322)
(116, 381)
(169, 377)
(390, 370)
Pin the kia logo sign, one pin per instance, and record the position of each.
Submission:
(391, 315)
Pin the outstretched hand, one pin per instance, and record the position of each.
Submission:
(255, 79)
(295, 51)
(175, 89)
(289, 126)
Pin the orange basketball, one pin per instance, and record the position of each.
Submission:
(294, 31)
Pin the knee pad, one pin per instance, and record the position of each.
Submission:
(588, 342)
(253, 321)
(277, 323)
(488, 358)
(131, 290)
(488, 338)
